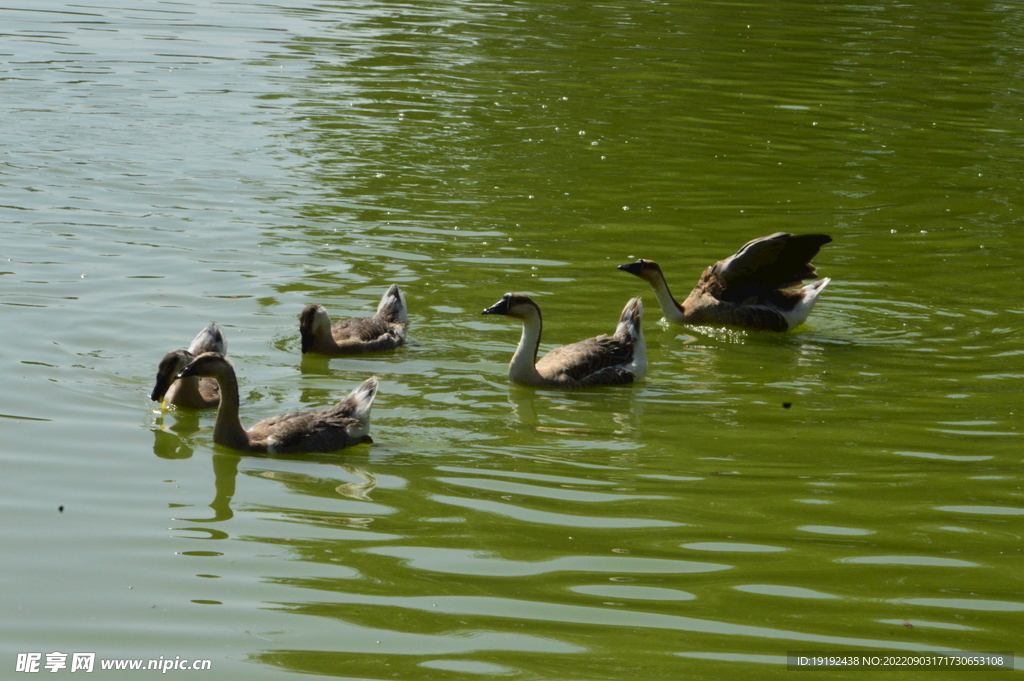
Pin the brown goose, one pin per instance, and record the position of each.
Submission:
(604, 360)
(193, 393)
(753, 289)
(383, 331)
(322, 430)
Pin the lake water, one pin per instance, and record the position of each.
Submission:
(169, 164)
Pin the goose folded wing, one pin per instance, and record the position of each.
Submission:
(370, 333)
(308, 431)
(579, 360)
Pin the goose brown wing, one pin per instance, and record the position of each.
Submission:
(579, 360)
(322, 430)
(360, 328)
(371, 333)
(758, 317)
(774, 261)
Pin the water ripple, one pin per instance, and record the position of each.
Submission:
(556, 479)
(908, 560)
(638, 593)
(839, 531)
(468, 667)
(944, 457)
(785, 591)
(962, 604)
(611, 617)
(463, 562)
(550, 518)
(548, 492)
(733, 546)
(983, 510)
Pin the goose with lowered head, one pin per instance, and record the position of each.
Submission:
(754, 289)
(322, 430)
(383, 331)
(603, 360)
(193, 393)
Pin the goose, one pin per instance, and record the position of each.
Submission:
(604, 360)
(753, 289)
(383, 331)
(193, 393)
(322, 430)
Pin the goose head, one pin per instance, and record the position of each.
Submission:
(313, 322)
(167, 372)
(648, 270)
(516, 305)
(211, 364)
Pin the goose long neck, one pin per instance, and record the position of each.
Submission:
(323, 338)
(672, 310)
(228, 430)
(522, 368)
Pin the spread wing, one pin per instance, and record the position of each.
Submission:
(775, 261)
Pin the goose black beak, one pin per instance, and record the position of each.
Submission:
(500, 307)
(633, 267)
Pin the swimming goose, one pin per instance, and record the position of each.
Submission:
(193, 393)
(604, 360)
(383, 331)
(322, 430)
(751, 289)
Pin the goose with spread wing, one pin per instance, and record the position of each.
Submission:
(757, 288)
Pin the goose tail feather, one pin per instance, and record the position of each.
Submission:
(392, 305)
(631, 320)
(361, 399)
(210, 339)
(798, 315)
